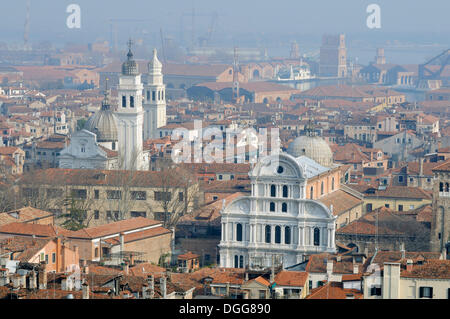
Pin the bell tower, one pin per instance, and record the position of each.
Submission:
(130, 116)
(154, 99)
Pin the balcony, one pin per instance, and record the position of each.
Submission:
(444, 194)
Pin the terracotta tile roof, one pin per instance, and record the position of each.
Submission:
(413, 168)
(33, 229)
(291, 278)
(389, 223)
(24, 248)
(9, 150)
(109, 153)
(444, 167)
(230, 186)
(352, 277)
(146, 269)
(393, 192)
(114, 228)
(341, 201)
(334, 290)
(61, 176)
(102, 270)
(139, 235)
(317, 264)
(396, 256)
(263, 281)
(187, 256)
(25, 214)
(249, 86)
(431, 269)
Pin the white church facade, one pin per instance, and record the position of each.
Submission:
(276, 224)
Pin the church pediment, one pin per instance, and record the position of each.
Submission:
(278, 166)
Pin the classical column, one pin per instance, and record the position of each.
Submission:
(272, 234)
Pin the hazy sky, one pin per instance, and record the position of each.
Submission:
(238, 20)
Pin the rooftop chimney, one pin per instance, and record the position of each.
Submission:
(43, 276)
(151, 286)
(33, 280)
(126, 268)
(122, 242)
(402, 250)
(163, 287)
(85, 290)
(356, 269)
(409, 265)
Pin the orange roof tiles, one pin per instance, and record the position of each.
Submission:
(139, 235)
(291, 278)
(432, 269)
(114, 228)
(33, 229)
(334, 290)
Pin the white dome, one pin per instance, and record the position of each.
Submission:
(313, 147)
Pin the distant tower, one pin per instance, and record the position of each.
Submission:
(130, 116)
(154, 99)
(295, 51)
(333, 56)
(26, 33)
(380, 58)
(235, 76)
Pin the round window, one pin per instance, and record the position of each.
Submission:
(280, 169)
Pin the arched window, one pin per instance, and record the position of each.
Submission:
(239, 232)
(159, 95)
(124, 101)
(148, 95)
(316, 236)
(321, 188)
(311, 192)
(272, 206)
(285, 191)
(447, 187)
(241, 261)
(441, 187)
(332, 183)
(131, 101)
(153, 95)
(236, 261)
(273, 191)
(277, 235)
(268, 234)
(284, 208)
(287, 235)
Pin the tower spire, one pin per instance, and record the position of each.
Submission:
(106, 100)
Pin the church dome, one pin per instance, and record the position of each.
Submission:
(314, 147)
(103, 123)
